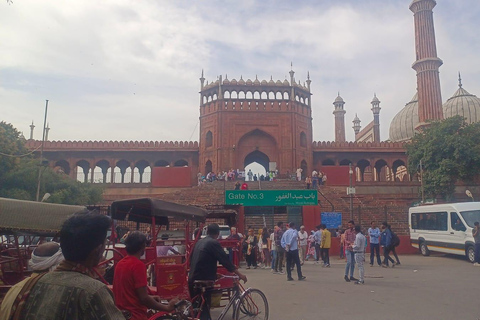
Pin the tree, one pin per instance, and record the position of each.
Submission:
(19, 172)
(12, 148)
(449, 151)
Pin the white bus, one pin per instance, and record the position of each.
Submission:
(444, 228)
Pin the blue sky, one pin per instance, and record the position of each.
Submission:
(128, 70)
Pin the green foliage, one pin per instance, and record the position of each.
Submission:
(21, 183)
(12, 144)
(18, 175)
(450, 152)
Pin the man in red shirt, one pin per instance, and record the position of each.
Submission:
(130, 281)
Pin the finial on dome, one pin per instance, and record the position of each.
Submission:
(308, 75)
(226, 76)
(241, 77)
(256, 77)
(202, 73)
(291, 65)
(271, 77)
(459, 80)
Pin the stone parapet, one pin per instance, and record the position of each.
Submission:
(114, 145)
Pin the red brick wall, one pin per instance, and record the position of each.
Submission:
(171, 177)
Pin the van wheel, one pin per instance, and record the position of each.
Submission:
(470, 253)
(424, 249)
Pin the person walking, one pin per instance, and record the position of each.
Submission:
(318, 241)
(279, 248)
(311, 246)
(299, 174)
(251, 243)
(374, 234)
(308, 182)
(264, 246)
(386, 242)
(350, 255)
(250, 175)
(302, 244)
(289, 242)
(476, 237)
(359, 250)
(273, 251)
(325, 245)
(314, 179)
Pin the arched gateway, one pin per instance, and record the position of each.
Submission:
(238, 118)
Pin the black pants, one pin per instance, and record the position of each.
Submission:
(317, 251)
(375, 252)
(326, 255)
(205, 314)
(392, 250)
(293, 257)
(386, 255)
(251, 259)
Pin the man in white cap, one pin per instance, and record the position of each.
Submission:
(45, 258)
(302, 243)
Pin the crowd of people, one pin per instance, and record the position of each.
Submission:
(65, 280)
(235, 175)
(315, 180)
(267, 249)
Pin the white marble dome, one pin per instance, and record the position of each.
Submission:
(463, 104)
(403, 124)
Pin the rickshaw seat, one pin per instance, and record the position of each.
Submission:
(207, 284)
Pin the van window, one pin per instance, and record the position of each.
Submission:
(431, 221)
(471, 217)
(456, 223)
(414, 221)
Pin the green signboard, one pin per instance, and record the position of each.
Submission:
(271, 197)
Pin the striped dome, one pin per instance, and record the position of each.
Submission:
(463, 104)
(403, 124)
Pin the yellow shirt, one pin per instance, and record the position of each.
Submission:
(326, 239)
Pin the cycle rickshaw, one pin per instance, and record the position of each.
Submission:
(168, 274)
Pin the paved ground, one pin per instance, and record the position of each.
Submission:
(435, 287)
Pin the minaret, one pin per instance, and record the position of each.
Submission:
(292, 82)
(339, 119)
(32, 126)
(308, 86)
(202, 82)
(376, 118)
(356, 125)
(427, 63)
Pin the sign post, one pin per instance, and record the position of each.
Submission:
(271, 197)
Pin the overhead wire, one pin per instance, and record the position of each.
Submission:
(19, 155)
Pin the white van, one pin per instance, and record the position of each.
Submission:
(444, 228)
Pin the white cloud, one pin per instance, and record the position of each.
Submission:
(128, 70)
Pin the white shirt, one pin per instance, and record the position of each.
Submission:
(303, 237)
(314, 173)
(272, 240)
(359, 244)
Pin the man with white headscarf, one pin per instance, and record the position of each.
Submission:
(45, 258)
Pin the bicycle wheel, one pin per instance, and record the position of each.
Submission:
(252, 305)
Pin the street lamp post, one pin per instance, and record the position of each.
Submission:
(41, 153)
(350, 172)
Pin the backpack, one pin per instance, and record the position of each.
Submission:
(395, 239)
